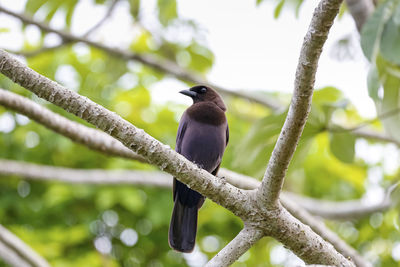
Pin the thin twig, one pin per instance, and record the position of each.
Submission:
(66, 42)
(104, 19)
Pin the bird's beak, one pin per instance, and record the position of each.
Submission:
(188, 93)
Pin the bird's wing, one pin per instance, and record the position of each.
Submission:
(181, 132)
(178, 147)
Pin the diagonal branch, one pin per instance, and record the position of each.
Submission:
(320, 228)
(277, 223)
(163, 65)
(23, 253)
(11, 257)
(322, 20)
(246, 238)
(104, 19)
(65, 42)
(171, 68)
(136, 139)
(98, 140)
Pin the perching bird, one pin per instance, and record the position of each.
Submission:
(202, 137)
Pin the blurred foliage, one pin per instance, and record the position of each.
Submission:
(81, 225)
(380, 41)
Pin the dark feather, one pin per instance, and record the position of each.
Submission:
(202, 137)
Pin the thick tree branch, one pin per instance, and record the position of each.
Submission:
(299, 109)
(163, 65)
(102, 142)
(92, 138)
(21, 249)
(168, 67)
(136, 139)
(320, 228)
(246, 238)
(287, 229)
(278, 222)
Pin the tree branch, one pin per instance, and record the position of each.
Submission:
(81, 176)
(168, 67)
(22, 250)
(246, 238)
(334, 210)
(136, 139)
(322, 20)
(160, 179)
(92, 138)
(163, 65)
(278, 222)
(65, 42)
(99, 141)
(320, 228)
(104, 19)
(11, 258)
(343, 210)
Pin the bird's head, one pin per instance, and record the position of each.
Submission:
(203, 93)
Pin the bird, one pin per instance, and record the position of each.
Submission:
(202, 137)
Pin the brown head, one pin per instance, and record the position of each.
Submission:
(201, 93)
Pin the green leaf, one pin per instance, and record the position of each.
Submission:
(166, 11)
(70, 8)
(389, 74)
(390, 43)
(373, 83)
(134, 8)
(278, 9)
(342, 145)
(396, 15)
(372, 30)
(33, 5)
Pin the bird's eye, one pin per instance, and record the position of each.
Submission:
(203, 90)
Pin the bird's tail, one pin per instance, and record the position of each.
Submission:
(183, 227)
